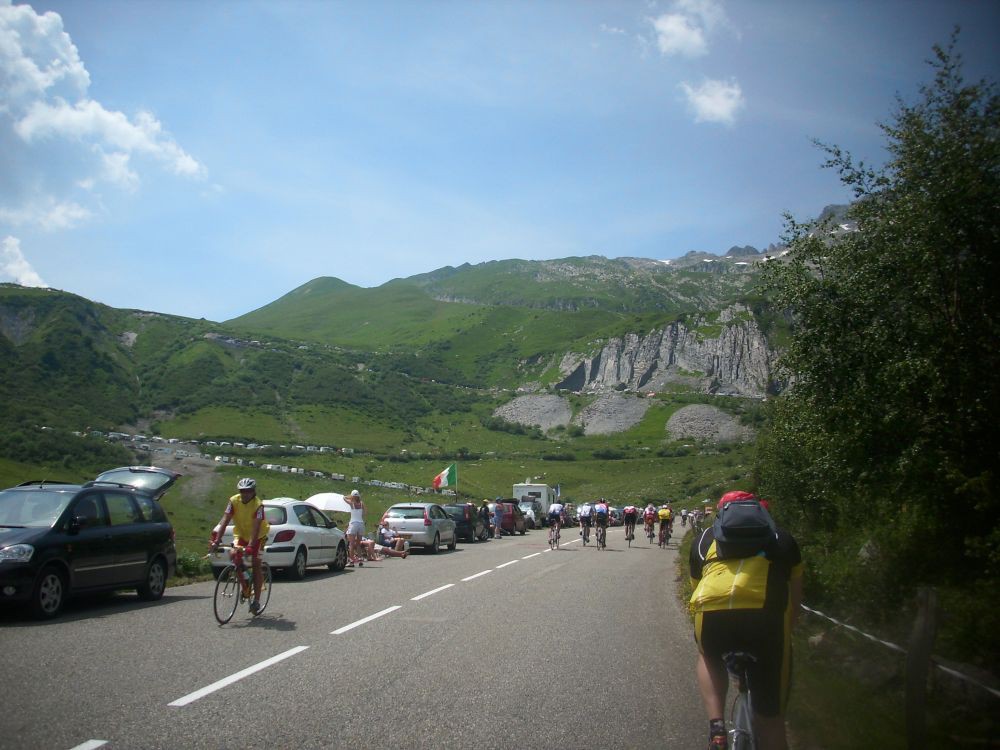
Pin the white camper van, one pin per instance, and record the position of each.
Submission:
(541, 493)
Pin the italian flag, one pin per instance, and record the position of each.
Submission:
(447, 478)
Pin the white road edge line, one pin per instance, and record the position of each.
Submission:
(432, 592)
(90, 745)
(482, 573)
(533, 554)
(363, 620)
(504, 565)
(192, 697)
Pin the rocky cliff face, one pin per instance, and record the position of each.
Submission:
(727, 355)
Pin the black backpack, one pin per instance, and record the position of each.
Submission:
(743, 528)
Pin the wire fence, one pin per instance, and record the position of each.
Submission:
(936, 661)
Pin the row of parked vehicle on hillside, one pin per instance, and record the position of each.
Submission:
(59, 539)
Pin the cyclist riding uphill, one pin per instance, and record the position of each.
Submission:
(585, 514)
(601, 512)
(249, 530)
(630, 515)
(556, 514)
(747, 579)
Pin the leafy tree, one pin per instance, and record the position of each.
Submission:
(889, 431)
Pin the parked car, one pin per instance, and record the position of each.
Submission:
(468, 523)
(513, 518)
(424, 525)
(532, 510)
(58, 539)
(301, 536)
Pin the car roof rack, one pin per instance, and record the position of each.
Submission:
(42, 482)
(106, 483)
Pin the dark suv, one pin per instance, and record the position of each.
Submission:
(468, 523)
(61, 539)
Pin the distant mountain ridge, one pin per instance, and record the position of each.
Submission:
(398, 351)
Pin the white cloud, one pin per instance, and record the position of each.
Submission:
(684, 31)
(715, 101)
(65, 140)
(88, 121)
(678, 35)
(14, 266)
(48, 214)
(612, 30)
(36, 56)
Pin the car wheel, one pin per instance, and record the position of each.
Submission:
(435, 545)
(298, 570)
(454, 542)
(49, 594)
(522, 531)
(152, 588)
(340, 561)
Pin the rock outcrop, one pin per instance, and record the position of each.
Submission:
(707, 423)
(728, 356)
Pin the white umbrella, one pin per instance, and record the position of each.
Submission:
(330, 501)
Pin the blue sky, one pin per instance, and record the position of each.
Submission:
(205, 158)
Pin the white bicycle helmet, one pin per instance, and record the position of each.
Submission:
(246, 484)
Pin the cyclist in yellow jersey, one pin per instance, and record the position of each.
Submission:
(746, 600)
(250, 529)
(665, 514)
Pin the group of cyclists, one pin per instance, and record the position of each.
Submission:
(597, 516)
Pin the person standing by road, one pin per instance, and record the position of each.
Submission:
(747, 578)
(484, 514)
(497, 518)
(355, 529)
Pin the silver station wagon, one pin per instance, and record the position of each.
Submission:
(423, 524)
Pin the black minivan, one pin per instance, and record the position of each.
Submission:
(60, 539)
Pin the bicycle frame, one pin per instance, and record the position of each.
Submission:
(235, 587)
(741, 732)
(554, 535)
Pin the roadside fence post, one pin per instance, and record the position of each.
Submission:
(918, 665)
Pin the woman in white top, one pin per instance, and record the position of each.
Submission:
(355, 529)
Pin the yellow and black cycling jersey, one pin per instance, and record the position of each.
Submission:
(757, 582)
(664, 514)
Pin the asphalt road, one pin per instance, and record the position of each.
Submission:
(500, 644)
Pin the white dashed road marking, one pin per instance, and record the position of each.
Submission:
(192, 697)
(431, 592)
(481, 573)
(363, 620)
(90, 745)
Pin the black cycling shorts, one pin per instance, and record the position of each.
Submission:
(585, 521)
(601, 520)
(760, 633)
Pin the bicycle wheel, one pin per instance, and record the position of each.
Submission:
(265, 588)
(227, 594)
(742, 724)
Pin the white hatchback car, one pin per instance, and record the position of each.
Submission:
(300, 537)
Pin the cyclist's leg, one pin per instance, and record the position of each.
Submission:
(258, 576)
(710, 633)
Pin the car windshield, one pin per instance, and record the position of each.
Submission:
(405, 512)
(37, 508)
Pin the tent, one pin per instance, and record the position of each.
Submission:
(330, 501)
